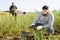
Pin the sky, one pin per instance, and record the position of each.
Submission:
(30, 5)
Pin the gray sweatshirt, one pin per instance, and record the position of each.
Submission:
(46, 20)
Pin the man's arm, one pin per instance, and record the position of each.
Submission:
(15, 7)
(36, 19)
(50, 23)
(10, 7)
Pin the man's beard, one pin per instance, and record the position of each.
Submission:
(44, 14)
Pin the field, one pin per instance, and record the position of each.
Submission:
(11, 27)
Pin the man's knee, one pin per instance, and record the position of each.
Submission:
(38, 24)
(51, 30)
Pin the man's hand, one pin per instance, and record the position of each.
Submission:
(32, 25)
(39, 27)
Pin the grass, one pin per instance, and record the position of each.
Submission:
(8, 25)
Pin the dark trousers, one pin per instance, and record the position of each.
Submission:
(50, 29)
(14, 14)
(38, 24)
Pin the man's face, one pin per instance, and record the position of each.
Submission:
(12, 3)
(45, 11)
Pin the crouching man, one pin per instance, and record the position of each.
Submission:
(45, 19)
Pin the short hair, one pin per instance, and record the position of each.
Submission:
(12, 2)
(45, 7)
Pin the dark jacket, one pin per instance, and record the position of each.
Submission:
(12, 7)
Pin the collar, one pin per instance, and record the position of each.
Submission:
(46, 14)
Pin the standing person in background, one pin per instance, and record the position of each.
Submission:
(45, 19)
(13, 9)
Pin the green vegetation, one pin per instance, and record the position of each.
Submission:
(10, 27)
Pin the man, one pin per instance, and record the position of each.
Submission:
(45, 19)
(13, 9)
